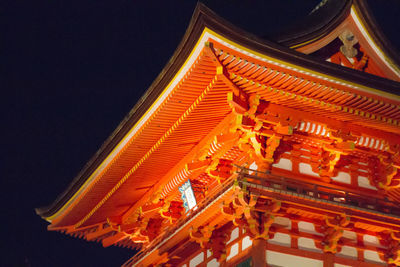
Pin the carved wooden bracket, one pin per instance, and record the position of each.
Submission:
(262, 142)
(258, 223)
(384, 174)
(153, 228)
(172, 211)
(242, 211)
(220, 237)
(202, 235)
(220, 169)
(242, 202)
(333, 231)
(214, 239)
(392, 242)
(262, 130)
(342, 144)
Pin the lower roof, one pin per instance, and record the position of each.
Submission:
(204, 25)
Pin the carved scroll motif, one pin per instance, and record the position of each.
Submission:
(242, 211)
(384, 170)
(342, 144)
(172, 211)
(333, 232)
(392, 242)
(261, 131)
(215, 239)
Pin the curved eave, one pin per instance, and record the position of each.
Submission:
(202, 19)
(374, 31)
(321, 21)
(329, 17)
(133, 117)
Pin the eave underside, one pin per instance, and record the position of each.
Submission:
(205, 17)
(201, 100)
(198, 104)
(177, 244)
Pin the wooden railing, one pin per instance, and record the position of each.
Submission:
(322, 192)
(280, 184)
(210, 197)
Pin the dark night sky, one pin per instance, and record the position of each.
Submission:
(70, 72)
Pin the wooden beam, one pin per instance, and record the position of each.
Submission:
(98, 233)
(174, 171)
(258, 252)
(113, 239)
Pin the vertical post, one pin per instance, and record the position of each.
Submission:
(315, 193)
(329, 260)
(294, 240)
(258, 252)
(223, 263)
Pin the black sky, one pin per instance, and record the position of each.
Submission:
(70, 72)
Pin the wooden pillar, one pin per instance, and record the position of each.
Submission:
(223, 263)
(258, 252)
(294, 240)
(329, 260)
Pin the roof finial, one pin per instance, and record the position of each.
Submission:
(322, 3)
(349, 40)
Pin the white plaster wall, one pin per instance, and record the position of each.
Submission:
(307, 169)
(364, 182)
(372, 256)
(281, 239)
(282, 221)
(246, 242)
(307, 244)
(307, 227)
(342, 177)
(285, 260)
(348, 252)
(197, 260)
(283, 163)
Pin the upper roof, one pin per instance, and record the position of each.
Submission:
(322, 19)
(93, 185)
(332, 17)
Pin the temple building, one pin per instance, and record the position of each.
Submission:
(247, 152)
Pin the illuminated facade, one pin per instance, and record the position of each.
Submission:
(247, 152)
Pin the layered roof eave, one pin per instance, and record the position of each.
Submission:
(329, 17)
(202, 19)
(320, 21)
(133, 117)
(374, 30)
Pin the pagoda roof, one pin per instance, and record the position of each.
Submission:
(97, 181)
(321, 20)
(330, 16)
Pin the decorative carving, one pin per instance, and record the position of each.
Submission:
(220, 169)
(153, 228)
(384, 172)
(262, 142)
(242, 211)
(262, 130)
(342, 144)
(258, 223)
(350, 56)
(202, 234)
(284, 146)
(392, 242)
(349, 40)
(214, 239)
(242, 201)
(219, 238)
(334, 231)
(172, 211)
(211, 158)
